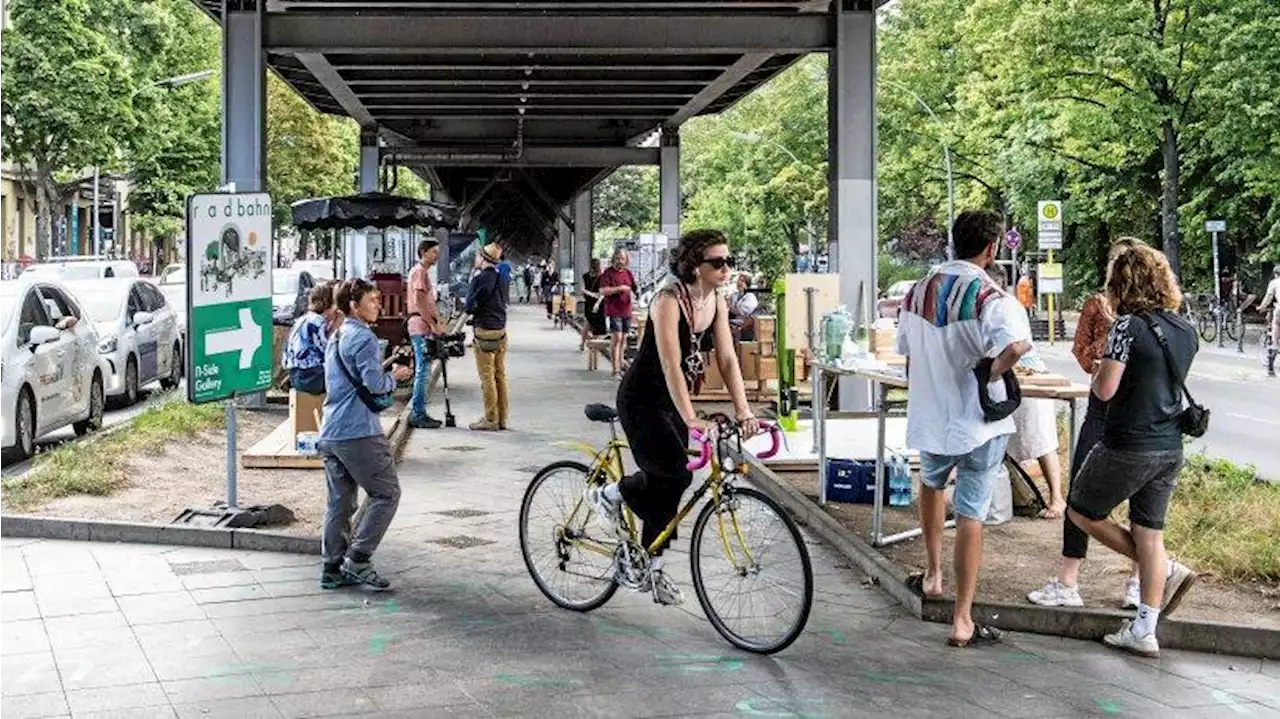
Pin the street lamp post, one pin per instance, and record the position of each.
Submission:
(170, 83)
(946, 154)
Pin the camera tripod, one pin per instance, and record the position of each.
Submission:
(449, 419)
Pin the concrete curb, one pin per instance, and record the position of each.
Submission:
(1085, 623)
(12, 525)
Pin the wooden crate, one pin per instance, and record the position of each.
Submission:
(749, 360)
(765, 328)
(884, 341)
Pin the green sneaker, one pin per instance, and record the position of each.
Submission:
(364, 573)
(334, 578)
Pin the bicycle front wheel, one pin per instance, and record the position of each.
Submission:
(1208, 328)
(568, 553)
(1231, 327)
(751, 571)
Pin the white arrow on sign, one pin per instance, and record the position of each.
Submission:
(247, 339)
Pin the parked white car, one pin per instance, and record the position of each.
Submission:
(73, 269)
(321, 270)
(52, 375)
(138, 335)
(172, 282)
(290, 294)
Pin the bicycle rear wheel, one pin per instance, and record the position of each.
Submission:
(751, 571)
(1231, 327)
(568, 553)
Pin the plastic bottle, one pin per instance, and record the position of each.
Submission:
(899, 482)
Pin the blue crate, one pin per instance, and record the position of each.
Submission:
(853, 482)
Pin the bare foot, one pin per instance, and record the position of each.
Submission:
(926, 586)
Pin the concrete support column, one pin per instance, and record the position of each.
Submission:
(244, 97)
(851, 138)
(669, 171)
(564, 247)
(357, 250)
(583, 235)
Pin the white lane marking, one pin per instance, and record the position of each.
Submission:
(1253, 419)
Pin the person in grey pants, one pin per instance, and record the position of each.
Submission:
(356, 454)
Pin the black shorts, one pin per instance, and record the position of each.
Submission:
(1110, 476)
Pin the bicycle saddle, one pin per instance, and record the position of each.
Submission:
(601, 413)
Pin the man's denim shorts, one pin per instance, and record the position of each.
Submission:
(976, 474)
(620, 324)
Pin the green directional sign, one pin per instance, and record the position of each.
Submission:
(229, 251)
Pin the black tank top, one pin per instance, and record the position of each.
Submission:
(644, 383)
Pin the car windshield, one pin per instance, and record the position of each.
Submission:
(80, 272)
(102, 306)
(284, 282)
(174, 275)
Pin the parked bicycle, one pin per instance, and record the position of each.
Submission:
(1219, 314)
(751, 569)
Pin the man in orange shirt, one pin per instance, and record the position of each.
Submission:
(424, 323)
(1027, 294)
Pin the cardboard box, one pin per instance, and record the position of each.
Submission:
(749, 360)
(768, 368)
(767, 349)
(765, 327)
(884, 340)
(303, 410)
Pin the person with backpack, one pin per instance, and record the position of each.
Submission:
(356, 454)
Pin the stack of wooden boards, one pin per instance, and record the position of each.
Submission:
(884, 346)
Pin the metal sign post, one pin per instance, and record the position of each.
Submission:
(1049, 217)
(229, 252)
(1214, 227)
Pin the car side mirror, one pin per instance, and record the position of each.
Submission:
(143, 318)
(43, 335)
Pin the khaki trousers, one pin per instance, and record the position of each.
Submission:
(492, 368)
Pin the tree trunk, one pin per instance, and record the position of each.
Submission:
(1169, 198)
(46, 200)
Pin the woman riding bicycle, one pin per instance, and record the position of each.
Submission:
(654, 403)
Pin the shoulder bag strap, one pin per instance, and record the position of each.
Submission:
(364, 393)
(1158, 331)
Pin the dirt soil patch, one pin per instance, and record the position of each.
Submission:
(192, 472)
(1020, 555)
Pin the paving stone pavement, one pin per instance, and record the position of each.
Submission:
(107, 630)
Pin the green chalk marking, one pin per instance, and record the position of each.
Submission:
(1108, 706)
(775, 708)
(536, 682)
(697, 663)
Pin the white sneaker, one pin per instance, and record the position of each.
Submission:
(610, 513)
(1124, 639)
(1056, 594)
(1132, 594)
(1180, 579)
(665, 591)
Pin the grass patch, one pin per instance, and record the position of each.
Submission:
(1222, 520)
(101, 466)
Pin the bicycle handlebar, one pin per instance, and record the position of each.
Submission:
(696, 463)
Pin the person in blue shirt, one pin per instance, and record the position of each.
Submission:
(304, 352)
(487, 305)
(356, 454)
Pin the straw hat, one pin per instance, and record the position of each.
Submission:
(492, 253)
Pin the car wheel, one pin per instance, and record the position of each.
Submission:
(131, 381)
(97, 405)
(24, 419)
(175, 370)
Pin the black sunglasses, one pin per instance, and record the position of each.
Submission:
(720, 263)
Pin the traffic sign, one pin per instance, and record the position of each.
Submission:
(1049, 217)
(1049, 278)
(1012, 239)
(1215, 226)
(229, 251)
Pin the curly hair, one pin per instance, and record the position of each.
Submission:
(352, 291)
(692, 251)
(1141, 280)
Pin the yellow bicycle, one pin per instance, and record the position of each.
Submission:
(751, 569)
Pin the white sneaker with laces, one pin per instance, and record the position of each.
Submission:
(610, 513)
(1180, 579)
(665, 591)
(1056, 594)
(1126, 640)
(1132, 594)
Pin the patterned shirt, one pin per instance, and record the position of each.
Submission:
(950, 320)
(307, 340)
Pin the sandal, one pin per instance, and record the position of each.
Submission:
(982, 634)
(915, 583)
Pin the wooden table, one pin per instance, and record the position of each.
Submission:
(886, 381)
